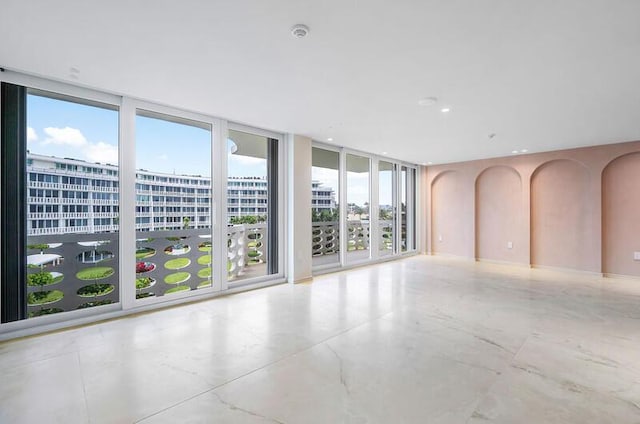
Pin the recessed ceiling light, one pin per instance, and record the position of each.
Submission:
(329, 139)
(428, 101)
(384, 153)
(514, 152)
(445, 110)
(299, 30)
(523, 151)
(429, 163)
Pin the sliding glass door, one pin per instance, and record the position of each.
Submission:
(358, 201)
(387, 203)
(252, 205)
(173, 204)
(325, 208)
(345, 186)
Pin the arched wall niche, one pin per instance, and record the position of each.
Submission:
(560, 215)
(499, 215)
(621, 215)
(447, 214)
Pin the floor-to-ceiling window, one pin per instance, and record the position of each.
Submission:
(386, 208)
(407, 209)
(358, 200)
(70, 195)
(325, 216)
(173, 204)
(252, 205)
(365, 181)
(94, 184)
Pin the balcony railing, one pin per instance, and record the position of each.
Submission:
(326, 239)
(75, 271)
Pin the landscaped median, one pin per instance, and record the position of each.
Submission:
(95, 273)
(177, 263)
(177, 277)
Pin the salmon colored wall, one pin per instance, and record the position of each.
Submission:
(447, 191)
(560, 216)
(499, 215)
(621, 215)
(577, 209)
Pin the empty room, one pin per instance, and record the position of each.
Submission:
(305, 212)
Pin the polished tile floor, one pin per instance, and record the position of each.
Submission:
(420, 340)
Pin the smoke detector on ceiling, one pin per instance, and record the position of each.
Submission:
(300, 31)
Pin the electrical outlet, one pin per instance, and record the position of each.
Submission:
(509, 245)
(636, 256)
(440, 237)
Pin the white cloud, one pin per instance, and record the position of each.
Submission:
(163, 156)
(101, 152)
(72, 137)
(65, 136)
(32, 136)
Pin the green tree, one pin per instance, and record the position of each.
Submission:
(249, 219)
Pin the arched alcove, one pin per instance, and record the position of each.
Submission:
(621, 215)
(560, 215)
(447, 214)
(499, 215)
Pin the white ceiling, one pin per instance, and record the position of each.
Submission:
(540, 74)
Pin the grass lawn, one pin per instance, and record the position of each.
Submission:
(95, 273)
(177, 277)
(204, 273)
(177, 263)
(145, 252)
(204, 260)
(42, 297)
(177, 289)
(204, 248)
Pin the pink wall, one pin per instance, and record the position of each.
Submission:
(448, 219)
(499, 215)
(576, 209)
(621, 215)
(560, 216)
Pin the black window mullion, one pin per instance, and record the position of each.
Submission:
(272, 206)
(13, 123)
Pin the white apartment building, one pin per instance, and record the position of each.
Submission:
(73, 196)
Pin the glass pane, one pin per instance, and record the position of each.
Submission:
(412, 206)
(173, 205)
(357, 208)
(325, 215)
(403, 208)
(248, 197)
(72, 204)
(386, 211)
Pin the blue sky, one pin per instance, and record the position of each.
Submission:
(72, 130)
(66, 129)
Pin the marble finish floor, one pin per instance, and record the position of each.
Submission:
(419, 340)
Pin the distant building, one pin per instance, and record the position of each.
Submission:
(73, 196)
(322, 198)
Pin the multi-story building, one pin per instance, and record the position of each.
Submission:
(73, 196)
(322, 198)
(246, 196)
